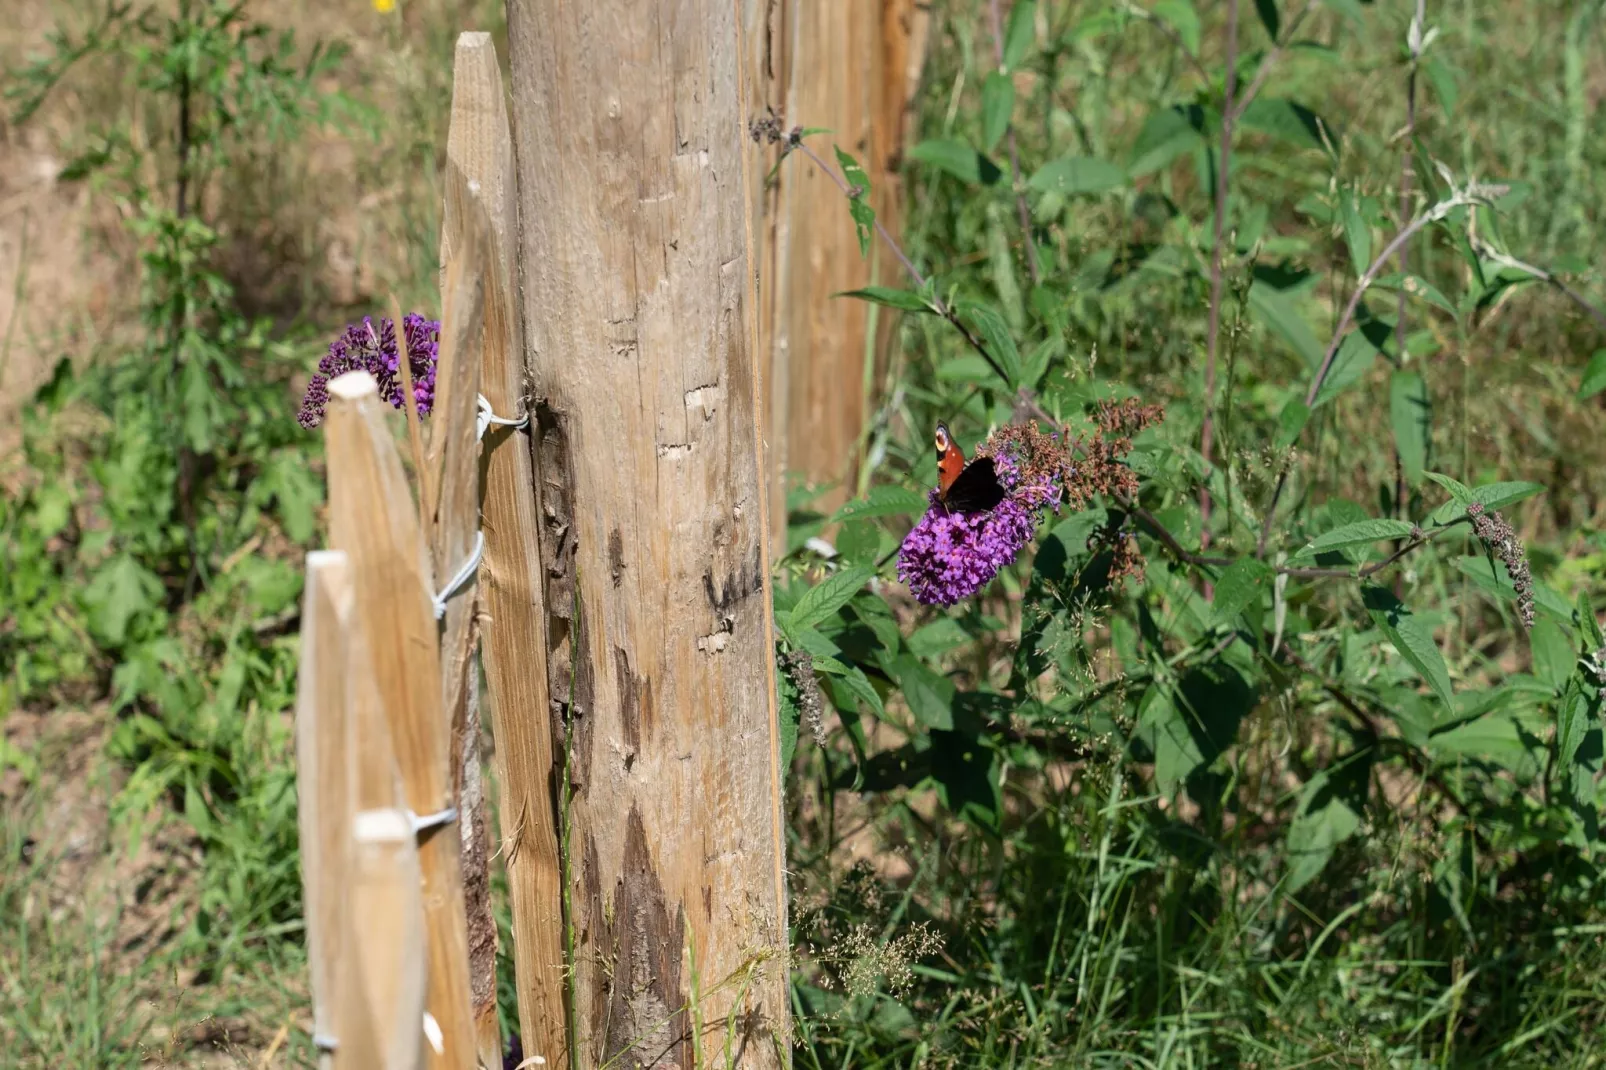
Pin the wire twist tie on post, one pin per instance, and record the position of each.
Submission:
(462, 577)
(485, 418)
(425, 822)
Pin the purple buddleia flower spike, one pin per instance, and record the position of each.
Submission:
(948, 557)
(370, 346)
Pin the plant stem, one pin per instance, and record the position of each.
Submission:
(938, 305)
(1263, 71)
(1213, 330)
(1021, 207)
(1366, 280)
(1407, 176)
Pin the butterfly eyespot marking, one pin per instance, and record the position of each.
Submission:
(962, 487)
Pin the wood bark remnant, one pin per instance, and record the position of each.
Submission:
(635, 180)
(512, 579)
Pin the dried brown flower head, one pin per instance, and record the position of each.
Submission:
(1497, 535)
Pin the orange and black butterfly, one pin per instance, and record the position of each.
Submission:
(961, 487)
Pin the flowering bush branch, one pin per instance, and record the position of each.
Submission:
(949, 556)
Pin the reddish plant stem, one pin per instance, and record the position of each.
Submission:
(1263, 71)
(1213, 330)
(1407, 179)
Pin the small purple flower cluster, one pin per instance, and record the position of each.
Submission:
(949, 556)
(371, 347)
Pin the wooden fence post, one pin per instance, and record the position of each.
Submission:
(480, 144)
(634, 180)
(373, 519)
(383, 982)
(454, 459)
(324, 795)
(850, 66)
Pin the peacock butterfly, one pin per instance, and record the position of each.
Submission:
(961, 487)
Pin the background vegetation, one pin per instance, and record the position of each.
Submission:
(1203, 814)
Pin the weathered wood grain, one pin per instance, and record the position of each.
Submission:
(634, 246)
(324, 791)
(373, 519)
(480, 145)
(454, 458)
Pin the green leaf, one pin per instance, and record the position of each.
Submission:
(1276, 310)
(118, 592)
(1410, 413)
(1357, 234)
(1442, 78)
(1070, 175)
(823, 600)
(1552, 652)
(790, 713)
(1018, 35)
(199, 405)
(1589, 622)
(1360, 533)
(1291, 421)
(930, 697)
(1182, 18)
(1355, 357)
(1594, 380)
(858, 199)
(1245, 582)
(1417, 286)
(1576, 719)
(958, 159)
(1192, 724)
(904, 300)
(885, 500)
(1285, 121)
(994, 334)
(1491, 577)
(1459, 491)
(1167, 134)
(1494, 496)
(1328, 815)
(1267, 10)
(1412, 638)
(937, 638)
(997, 104)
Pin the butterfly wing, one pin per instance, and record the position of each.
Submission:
(950, 459)
(975, 490)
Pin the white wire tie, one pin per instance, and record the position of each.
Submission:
(485, 418)
(324, 1042)
(462, 577)
(425, 822)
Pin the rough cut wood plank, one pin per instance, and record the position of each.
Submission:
(480, 144)
(372, 519)
(381, 981)
(465, 243)
(388, 936)
(322, 786)
(631, 147)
